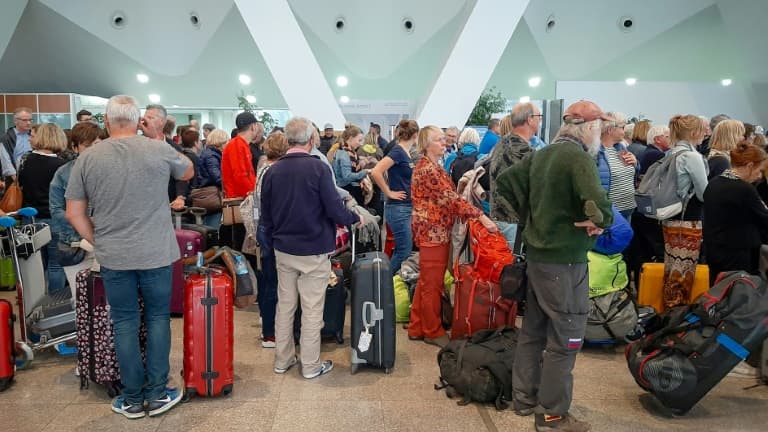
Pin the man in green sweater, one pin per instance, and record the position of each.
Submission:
(557, 192)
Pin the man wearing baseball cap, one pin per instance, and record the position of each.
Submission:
(563, 211)
(327, 140)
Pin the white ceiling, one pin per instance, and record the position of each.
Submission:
(70, 46)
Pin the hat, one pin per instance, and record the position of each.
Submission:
(245, 119)
(583, 112)
(327, 126)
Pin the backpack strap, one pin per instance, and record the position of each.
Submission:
(503, 375)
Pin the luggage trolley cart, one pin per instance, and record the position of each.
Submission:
(44, 320)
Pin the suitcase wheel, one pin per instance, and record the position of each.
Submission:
(24, 355)
(113, 390)
(353, 368)
(227, 390)
(387, 371)
(188, 393)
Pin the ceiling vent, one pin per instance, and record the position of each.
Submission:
(194, 18)
(626, 24)
(340, 24)
(408, 25)
(550, 23)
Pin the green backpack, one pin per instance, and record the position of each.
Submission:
(7, 273)
(607, 274)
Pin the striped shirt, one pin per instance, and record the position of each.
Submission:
(622, 191)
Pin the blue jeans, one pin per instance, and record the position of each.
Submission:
(267, 294)
(123, 289)
(398, 217)
(54, 273)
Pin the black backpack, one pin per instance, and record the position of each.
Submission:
(462, 164)
(479, 369)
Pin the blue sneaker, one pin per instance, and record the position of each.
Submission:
(171, 399)
(120, 406)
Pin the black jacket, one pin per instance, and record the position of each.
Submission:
(8, 140)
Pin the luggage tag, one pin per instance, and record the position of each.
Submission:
(365, 340)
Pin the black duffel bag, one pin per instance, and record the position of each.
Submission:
(479, 369)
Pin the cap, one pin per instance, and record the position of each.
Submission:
(245, 119)
(328, 126)
(582, 112)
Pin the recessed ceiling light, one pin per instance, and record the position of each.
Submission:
(251, 99)
(154, 98)
(344, 99)
(174, 106)
(525, 99)
(631, 81)
(726, 82)
(142, 78)
(534, 81)
(342, 81)
(244, 79)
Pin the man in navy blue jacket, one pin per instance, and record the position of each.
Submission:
(299, 212)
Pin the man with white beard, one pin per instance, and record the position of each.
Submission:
(556, 190)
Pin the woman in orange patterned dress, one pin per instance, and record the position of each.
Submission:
(435, 207)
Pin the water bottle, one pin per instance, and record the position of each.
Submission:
(240, 267)
(199, 259)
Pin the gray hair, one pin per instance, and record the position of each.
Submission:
(158, 107)
(580, 131)
(628, 131)
(656, 130)
(521, 113)
(717, 119)
(123, 109)
(469, 136)
(298, 131)
(209, 127)
(453, 128)
(615, 118)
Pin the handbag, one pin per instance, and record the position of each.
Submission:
(12, 199)
(514, 278)
(67, 255)
(208, 197)
(230, 211)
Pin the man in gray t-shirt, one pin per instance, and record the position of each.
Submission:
(124, 179)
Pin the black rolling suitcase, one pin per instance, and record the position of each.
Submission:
(696, 346)
(373, 311)
(210, 235)
(334, 310)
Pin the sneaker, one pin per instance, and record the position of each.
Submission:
(522, 409)
(171, 399)
(326, 367)
(560, 423)
(282, 370)
(120, 406)
(268, 342)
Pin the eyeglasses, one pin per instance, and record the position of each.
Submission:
(537, 115)
(23, 119)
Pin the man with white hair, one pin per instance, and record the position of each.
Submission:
(658, 144)
(557, 192)
(123, 180)
(302, 237)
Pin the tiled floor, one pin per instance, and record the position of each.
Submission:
(47, 397)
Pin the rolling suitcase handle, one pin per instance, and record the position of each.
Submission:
(177, 214)
(198, 213)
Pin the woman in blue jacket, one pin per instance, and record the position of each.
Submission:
(345, 168)
(616, 165)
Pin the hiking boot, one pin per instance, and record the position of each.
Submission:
(131, 411)
(566, 423)
(439, 342)
(282, 370)
(326, 367)
(523, 409)
(171, 399)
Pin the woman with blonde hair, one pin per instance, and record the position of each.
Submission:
(639, 138)
(435, 207)
(275, 146)
(725, 137)
(683, 232)
(35, 175)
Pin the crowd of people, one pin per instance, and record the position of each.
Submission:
(114, 188)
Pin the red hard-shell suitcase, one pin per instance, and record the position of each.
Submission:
(96, 356)
(190, 243)
(478, 304)
(7, 352)
(208, 333)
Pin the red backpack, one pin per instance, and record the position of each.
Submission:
(490, 250)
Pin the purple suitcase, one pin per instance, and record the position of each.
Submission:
(190, 243)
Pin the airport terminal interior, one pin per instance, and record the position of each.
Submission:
(482, 73)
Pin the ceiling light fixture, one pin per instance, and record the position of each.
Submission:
(534, 81)
(251, 99)
(726, 82)
(631, 81)
(154, 98)
(344, 99)
(342, 81)
(525, 99)
(142, 78)
(244, 79)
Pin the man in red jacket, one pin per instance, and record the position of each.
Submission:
(237, 175)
